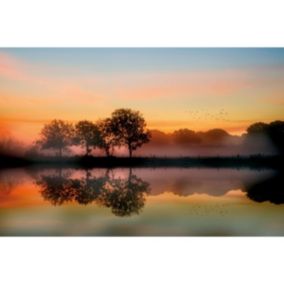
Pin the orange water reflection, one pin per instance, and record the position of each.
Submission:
(152, 202)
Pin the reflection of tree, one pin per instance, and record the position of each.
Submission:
(7, 183)
(57, 188)
(123, 195)
(271, 189)
(89, 189)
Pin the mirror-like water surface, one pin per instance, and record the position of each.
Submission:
(141, 202)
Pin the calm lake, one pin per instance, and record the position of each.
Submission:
(141, 202)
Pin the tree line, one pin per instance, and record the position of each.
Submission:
(125, 127)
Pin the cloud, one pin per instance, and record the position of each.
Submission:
(180, 85)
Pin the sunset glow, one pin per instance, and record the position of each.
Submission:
(197, 89)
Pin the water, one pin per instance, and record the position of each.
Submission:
(141, 202)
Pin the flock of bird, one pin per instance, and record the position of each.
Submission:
(221, 114)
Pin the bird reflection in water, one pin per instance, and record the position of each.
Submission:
(125, 196)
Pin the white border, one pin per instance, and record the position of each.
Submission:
(181, 23)
(141, 260)
(146, 23)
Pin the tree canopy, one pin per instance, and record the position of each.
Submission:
(274, 131)
(87, 134)
(57, 135)
(129, 128)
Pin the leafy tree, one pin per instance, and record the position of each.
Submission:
(257, 128)
(276, 134)
(56, 135)
(87, 135)
(274, 131)
(107, 139)
(129, 127)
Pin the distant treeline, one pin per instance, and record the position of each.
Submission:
(127, 128)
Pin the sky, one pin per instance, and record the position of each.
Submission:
(195, 88)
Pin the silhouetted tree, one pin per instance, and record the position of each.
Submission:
(276, 134)
(56, 135)
(274, 131)
(107, 140)
(87, 135)
(257, 128)
(129, 127)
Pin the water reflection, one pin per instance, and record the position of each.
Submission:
(125, 191)
(270, 189)
(124, 195)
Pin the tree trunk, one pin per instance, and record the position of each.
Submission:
(87, 150)
(107, 151)
(130, 151)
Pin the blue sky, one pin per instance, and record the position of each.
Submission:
(151, 59)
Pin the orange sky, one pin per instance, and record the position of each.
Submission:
(197, 89)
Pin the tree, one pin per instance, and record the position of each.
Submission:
(56, 135)
(87, 135)
(276, 134)
(129, 127)
(257, 128)
(274, 131)
(107, 140)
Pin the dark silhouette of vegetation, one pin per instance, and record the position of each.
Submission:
(57, 188)
(107, 140)
(274, 131)
(89, 188)
(256, 161)
(129, 127)
(87, 134)
(57, 135)
(125, 128)
(271, 189)
(123, 196)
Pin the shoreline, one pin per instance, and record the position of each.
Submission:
(257, 162)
